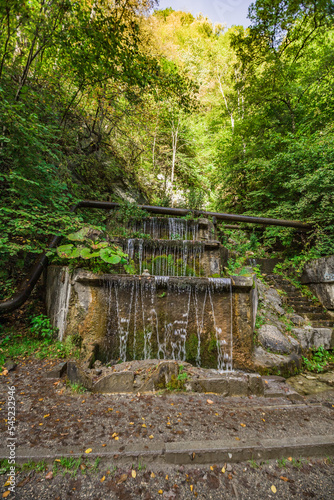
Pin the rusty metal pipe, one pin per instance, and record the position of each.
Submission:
(28, 285)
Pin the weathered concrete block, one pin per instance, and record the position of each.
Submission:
(255, 384)
(115, 382)
(238, 385)
(57, 371)
(313, 338)
(217, 385)
(161, 376)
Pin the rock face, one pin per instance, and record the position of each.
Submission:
(313, 338)
(271, 338)
(319, 276)
(115, 382)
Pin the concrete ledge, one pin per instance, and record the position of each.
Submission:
(189, 452)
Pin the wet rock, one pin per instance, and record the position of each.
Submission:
(271, 338)
(217, 385)
(57, 371)
(255, 384)
(115, 382)
(10, 365)
(313, 338)
(238, 385)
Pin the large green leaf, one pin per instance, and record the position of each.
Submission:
(65, 251)
(109, 255)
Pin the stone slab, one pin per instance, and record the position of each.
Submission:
(57, 371)
(313, 338)
(115, 382)
(189, 452)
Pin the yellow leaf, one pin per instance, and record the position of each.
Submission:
(104, 445)
(116, 438)
(57, 460)
(223, 470)
(144, 425)
(109, 409)
(5, 495)
(115, 434)
(160, 492)
(133, 473)
(40, 424)
(290, 459)
(191, 487)
(211, 468)
(151, 436)
(102, 479)
(131, 423)
(89, 450)
(152, 475)
(263, 420)
(46, 416)
(284, 478)
(243, 425)
(273, 489)
(7, 483)
(166, 477)
(209, 401)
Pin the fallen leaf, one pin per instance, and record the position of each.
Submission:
(116, 438)
(49, 475)
(133, 473)
(160, 492)
(230, 476)
(102, 479)
(114, 435)
(5, 372)
(7, 483)
(56, 383)
(166, 477)
(5, 495)
(237, 439)
(46, 416)
(284, 478)
(290, 459)
(223, 470)
(122, 478)
(211, 468)
(57, 460)
(144, 425)
(104, 445)
(131, 423)
(243, 425)
(152, 475)
(263, 420)
(209, 401)
(40, 424)
(89, 450)
(191, 487)
(273, 489)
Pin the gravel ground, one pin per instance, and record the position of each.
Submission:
(49, 416)
(303, 480)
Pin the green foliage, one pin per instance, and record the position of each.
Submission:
(41, 328)
(319, 360)
(15, 344)
(76, 387)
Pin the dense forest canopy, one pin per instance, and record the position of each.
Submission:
(106, 97)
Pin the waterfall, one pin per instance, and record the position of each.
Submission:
(155, 317)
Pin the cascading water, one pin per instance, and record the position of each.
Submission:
(163, 317)
(171, 311)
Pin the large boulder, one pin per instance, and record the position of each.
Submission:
(313, 338)
(267, 362)
(271, 338)
(318, 274)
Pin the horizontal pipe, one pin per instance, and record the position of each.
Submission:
(182, 212)
(28, 285)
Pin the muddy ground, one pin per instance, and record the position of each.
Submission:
(49, 415)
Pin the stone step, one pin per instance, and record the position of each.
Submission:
(316, 316)
(322, 324)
